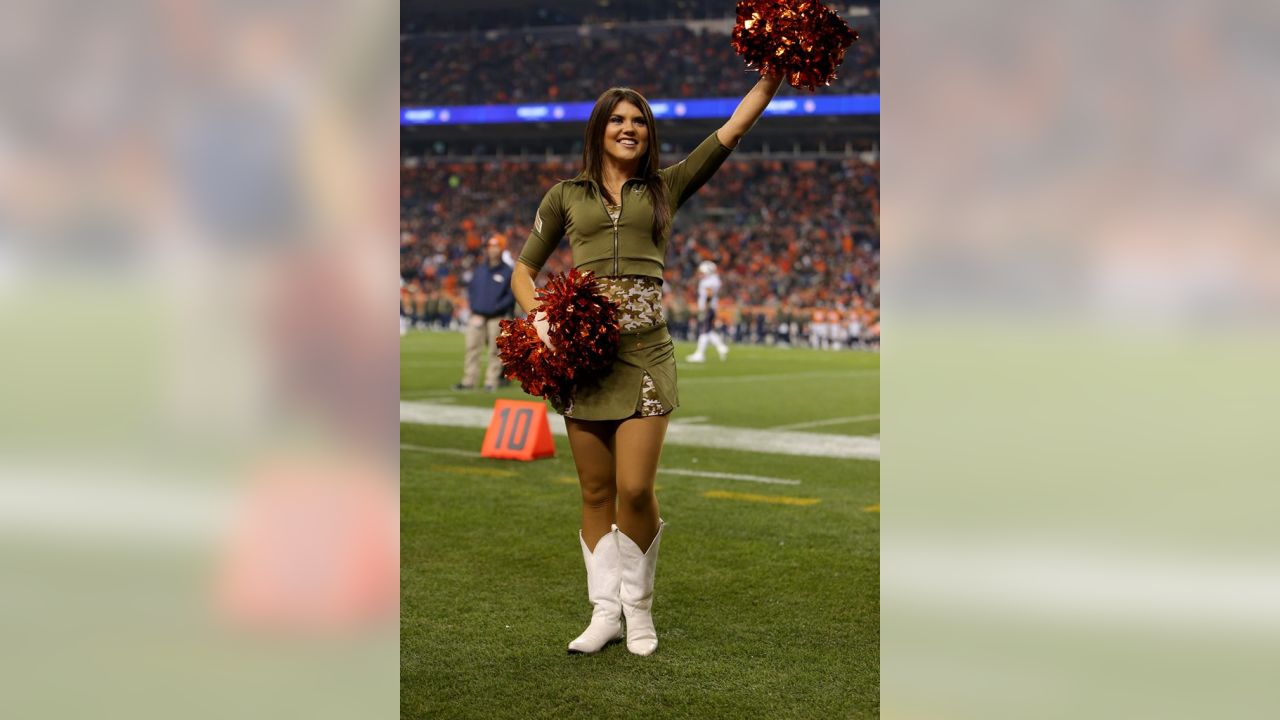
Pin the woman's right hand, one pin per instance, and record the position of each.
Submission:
(543, 326)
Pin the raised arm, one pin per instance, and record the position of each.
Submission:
(748, 111)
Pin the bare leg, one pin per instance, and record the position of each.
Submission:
(592, 444)
(639, 447)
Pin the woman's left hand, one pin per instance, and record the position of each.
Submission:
(543, 326)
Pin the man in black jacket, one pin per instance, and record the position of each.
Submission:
(489, 294)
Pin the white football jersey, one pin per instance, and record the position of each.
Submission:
(708, 291)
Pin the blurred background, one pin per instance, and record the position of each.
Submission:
(1080, 270)
(198, 499)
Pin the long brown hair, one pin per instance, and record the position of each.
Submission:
(593, 153)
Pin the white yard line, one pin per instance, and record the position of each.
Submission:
(1057, 580)
(690, 420)
(104, 507)
(429, 413)
(728, 476)
(829, 421)
(709, 436)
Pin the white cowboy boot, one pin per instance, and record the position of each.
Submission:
(602, 590)
(637, 591)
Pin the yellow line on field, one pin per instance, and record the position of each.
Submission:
(872, 508)
(464, 470)
(752, 497)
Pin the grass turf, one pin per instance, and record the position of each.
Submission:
(762, 609)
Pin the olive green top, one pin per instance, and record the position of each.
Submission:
(626, 247)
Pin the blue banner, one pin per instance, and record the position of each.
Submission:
(662, 109)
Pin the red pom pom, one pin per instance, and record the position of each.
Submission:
(525, 357)
(802, 40)
(583, 329)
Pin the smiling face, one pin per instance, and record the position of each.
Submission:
(626, 134)
(621, 135)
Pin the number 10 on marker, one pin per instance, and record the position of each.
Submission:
(519, 434)
(518, 430)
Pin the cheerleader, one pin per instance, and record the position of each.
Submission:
(617, 214)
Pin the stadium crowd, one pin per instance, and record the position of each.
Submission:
(796, 243)
(419, 18)
(675, 62)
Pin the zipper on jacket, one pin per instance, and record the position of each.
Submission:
(622, 198)
(621, 195)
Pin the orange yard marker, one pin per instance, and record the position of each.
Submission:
(518, 430)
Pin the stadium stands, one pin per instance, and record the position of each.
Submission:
(790, 236)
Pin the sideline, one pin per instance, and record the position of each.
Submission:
(709, 436)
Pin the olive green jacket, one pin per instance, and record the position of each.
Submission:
(576, 208)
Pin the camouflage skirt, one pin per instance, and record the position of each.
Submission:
(641, 383)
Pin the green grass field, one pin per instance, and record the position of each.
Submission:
(767, 595)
